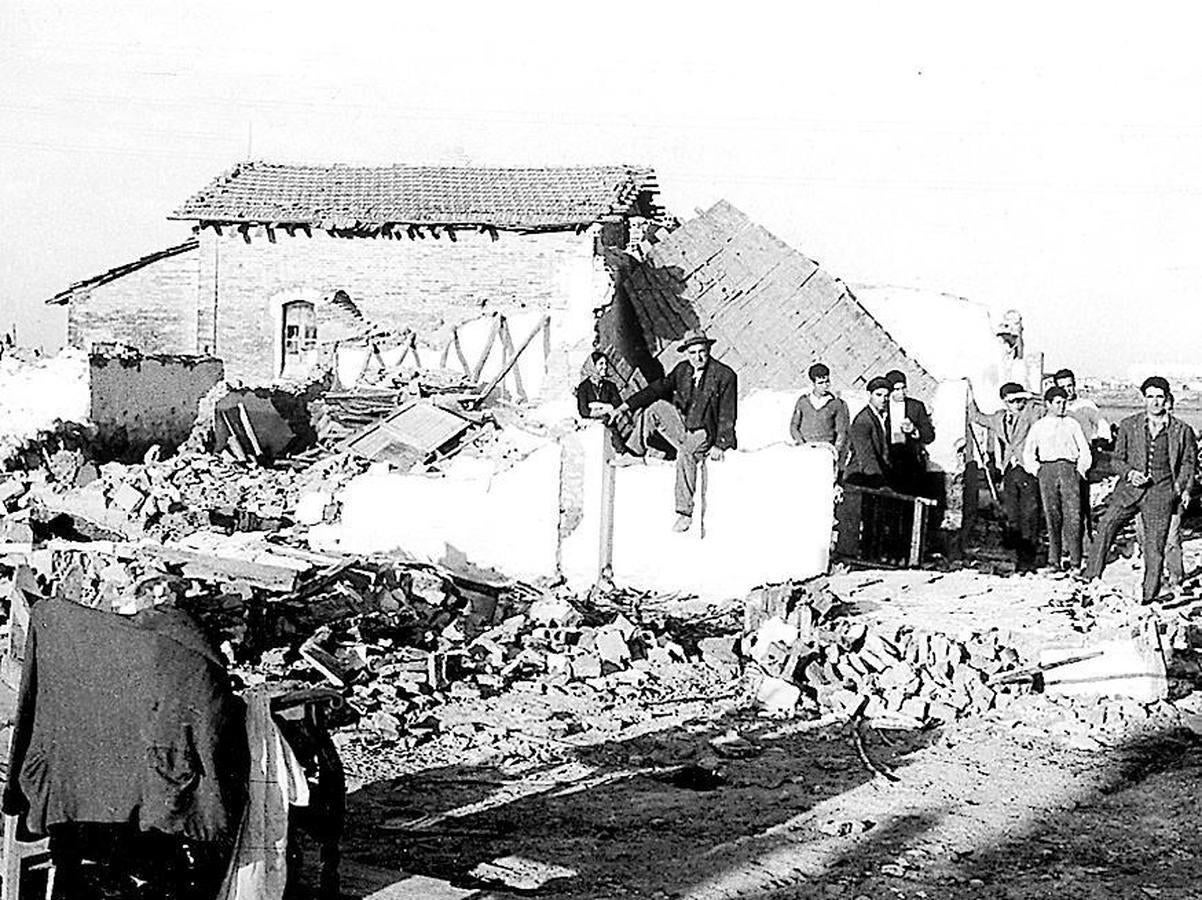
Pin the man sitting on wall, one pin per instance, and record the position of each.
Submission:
(694, 408)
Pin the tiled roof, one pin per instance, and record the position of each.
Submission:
(350, 197)
(67, 293)
(771, 309)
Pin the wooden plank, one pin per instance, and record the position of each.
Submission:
(459, 351)
(250, 431)
(207, 567)
(492, 338)
(232, 441)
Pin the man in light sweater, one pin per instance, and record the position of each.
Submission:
(1057, 453)
(820, 417)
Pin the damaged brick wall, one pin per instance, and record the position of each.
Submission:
(423, 284)
(138, 400)
(152, 308)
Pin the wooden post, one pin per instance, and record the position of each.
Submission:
(492, 385)
(605, 551)
(916, 533)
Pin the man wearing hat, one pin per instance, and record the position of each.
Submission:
(694, 408)
(868, 463)
(909, 431)
(1155, 456)
(1020, 489)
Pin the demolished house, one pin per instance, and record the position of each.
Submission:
(288, 258)
(421, 298)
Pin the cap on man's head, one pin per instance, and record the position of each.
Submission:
(819, 370)
(1155, 381)
(1065, 374)
(1012, 389)
(895, 377)
(878, 383)
(692, 338)
(1053, 392)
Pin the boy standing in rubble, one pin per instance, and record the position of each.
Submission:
(1057, 453)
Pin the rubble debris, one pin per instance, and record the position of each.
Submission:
(519, 873)
(810, 655)
(410, 435)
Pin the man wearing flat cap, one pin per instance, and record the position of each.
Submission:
(1020, 489)
(1155, 456)
(694, 408)
(868, 463)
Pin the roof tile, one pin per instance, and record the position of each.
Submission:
(366, 197)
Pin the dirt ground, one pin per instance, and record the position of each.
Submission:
(652, 791)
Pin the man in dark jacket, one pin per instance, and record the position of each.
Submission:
(868, 463)
(909, 431)
(694, 408)
(1019, 488)
(1155, 456)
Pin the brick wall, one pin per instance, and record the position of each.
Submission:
(139, 401)
(152, 308)
(425, 284)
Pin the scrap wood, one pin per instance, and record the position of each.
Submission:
(244, 416)
(492, 385)
(1036, 671)
(857, 725)
(207, 566)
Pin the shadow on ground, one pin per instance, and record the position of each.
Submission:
(641, 822)
(644, 833)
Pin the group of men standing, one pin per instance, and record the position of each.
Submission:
(884, 446)
(1044, 452)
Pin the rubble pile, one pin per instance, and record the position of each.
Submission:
(811, 655)
(396, 637)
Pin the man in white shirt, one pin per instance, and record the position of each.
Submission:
(1084, 410)
(1057, 453)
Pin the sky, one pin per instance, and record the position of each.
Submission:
(1044, 157)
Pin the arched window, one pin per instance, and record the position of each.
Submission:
(299, 338)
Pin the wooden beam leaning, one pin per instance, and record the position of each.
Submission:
(207, 567)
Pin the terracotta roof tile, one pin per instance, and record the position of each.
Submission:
(353, 197)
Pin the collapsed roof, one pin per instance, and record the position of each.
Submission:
(349, 197)
(771, 309)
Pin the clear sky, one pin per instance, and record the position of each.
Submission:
(1046, 157)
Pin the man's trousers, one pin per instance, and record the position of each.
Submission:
(1020, 505)
(1060, 493)
(664, 419)
(1156, 504)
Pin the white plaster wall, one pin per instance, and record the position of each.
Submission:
(505, 520)
(768, 519)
